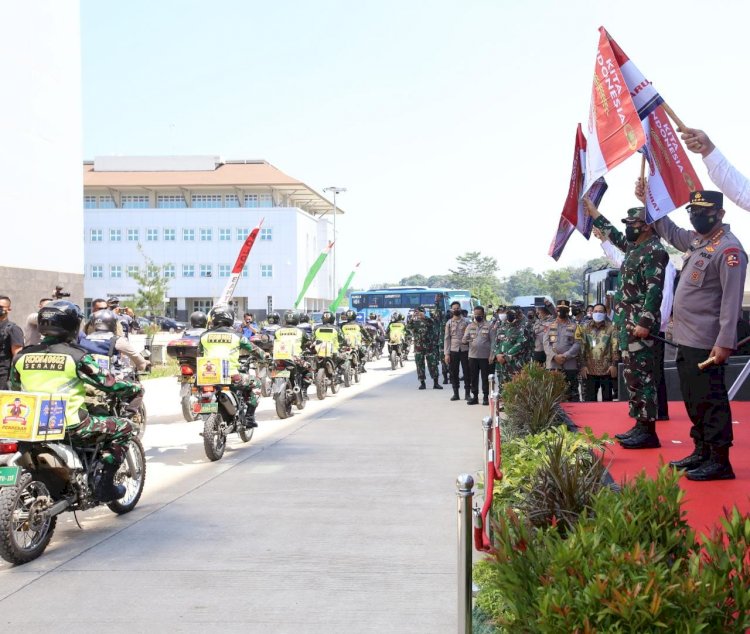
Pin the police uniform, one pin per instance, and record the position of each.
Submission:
(560, 338)
(707, 307)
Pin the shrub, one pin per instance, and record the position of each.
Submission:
(531, 400)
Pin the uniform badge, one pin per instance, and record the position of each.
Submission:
(710, 249)
(700, 264)
(694, 276)
(732, 257)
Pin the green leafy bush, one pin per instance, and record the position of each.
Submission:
(531, 400)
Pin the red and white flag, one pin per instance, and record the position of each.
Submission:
(614, 129)
(564, 231)
(228, 292)
(671, 175)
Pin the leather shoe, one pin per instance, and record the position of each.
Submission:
(437, 386)
(629, 433)
(642, 439)
(485, 401)
(473, 401)
(455, 397)
(422, 386)
(700, 454)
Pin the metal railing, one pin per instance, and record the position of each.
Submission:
(465, 495)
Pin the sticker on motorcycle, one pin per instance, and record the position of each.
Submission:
(9, 476)
(209, 408)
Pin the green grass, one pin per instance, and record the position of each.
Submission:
(170, 368)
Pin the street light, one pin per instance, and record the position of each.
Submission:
(335, 190)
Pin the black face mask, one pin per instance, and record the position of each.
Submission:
(632, 233)
(511, 318)
(562, 312)
(456, 313)
(479, 318)
(704, 224)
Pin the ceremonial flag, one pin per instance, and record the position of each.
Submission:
(312, 273)
(564, 231)
(671, 175)
(228, 292)
(344, 289)
(614, 129)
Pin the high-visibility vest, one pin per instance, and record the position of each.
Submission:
(225, 345)
(352, 334)
(287, 343)
(396, 332)
(329, 337)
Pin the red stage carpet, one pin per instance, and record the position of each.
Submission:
(704, 501)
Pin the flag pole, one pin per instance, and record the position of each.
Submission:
(643, 167)
(680, 125)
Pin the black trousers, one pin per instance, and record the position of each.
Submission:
(4, 376)
(459, 359)
(591, 385)
(571, 377)
(662, 406)
(477, 367)
(540, 357)
(705, 395)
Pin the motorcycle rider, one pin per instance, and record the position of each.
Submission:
(222, 341)
(58, 365)
(377, 332)
(396, 331)
(304, 323)
(298, 341)
(328, 332)
(357, 337)
(198, 323)
(103, 341)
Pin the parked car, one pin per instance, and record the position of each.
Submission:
(166, 324)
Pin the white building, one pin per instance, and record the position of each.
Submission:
(190, 215)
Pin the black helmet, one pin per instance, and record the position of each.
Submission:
(60, 319)
(104, 321)
(373, 316)
(328, 317)
(350, 315)
(221, 316)
(304, 318)
(274, 318)
(291, 318)
(198, 319)
(397, 316)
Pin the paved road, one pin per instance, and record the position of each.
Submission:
(340, 519)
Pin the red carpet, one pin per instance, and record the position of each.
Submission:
(704, 501)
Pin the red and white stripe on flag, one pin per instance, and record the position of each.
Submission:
(671, 175)
(564, 231)
(614, 129)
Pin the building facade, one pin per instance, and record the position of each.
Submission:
(190, 216)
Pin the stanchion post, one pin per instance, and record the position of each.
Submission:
(465, 494)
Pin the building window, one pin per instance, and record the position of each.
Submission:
(89, 202)
(115, 271)
(206, 270)
(170, 235)
(231, 200)
(266, 200)
(245, 271)
(115, 235)
(224, 270)
(152, 272)
(106, 202)
(206, 201)
(170, 202)
(188, 234)
(134, 202)
(97, 235)
(188, 270)
(132, 235)
(251, 200)
(266, 233)
(242, 233)
(203, 305)
(152, 235)
(132, 270)
(225, 234)
(97, 271)
(266, 270)
(169, 271)
(206, 235)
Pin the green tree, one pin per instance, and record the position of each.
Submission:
(152, 286)
(523, 282)
(413, 280)
(563, 284)
(478, 274)
(441, 281)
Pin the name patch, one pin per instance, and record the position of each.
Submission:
(44, 362)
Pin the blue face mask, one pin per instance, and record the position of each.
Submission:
(599, 317)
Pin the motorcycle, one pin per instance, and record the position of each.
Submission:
(396, 354)
(224, 411)
(185, 350)
(287, 388)
(351, 370)
(44, 478)
(327, 372)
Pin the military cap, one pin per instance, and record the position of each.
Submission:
(705, 200)
(563, 303)
(635, 214)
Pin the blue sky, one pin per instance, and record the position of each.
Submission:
(450, 123)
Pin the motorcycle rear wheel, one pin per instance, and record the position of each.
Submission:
(346, 372)
(335, 382)
(187, 405)
(283, 405)
(394, 360)
(20, 540)
(133, 482)
(214, 441)
(246, 434)
(320, 383)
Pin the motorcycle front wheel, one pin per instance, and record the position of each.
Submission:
(24, 531)
(214, 440)
(132, 475)
(320, 383)
(335, 381)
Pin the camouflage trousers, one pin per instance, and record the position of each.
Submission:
(505, 373)
(639, 377)
(250, 388)
(431, 358)
(114, 433)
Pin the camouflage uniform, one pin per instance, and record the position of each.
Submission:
(438, 315)
(515, 342)
(423, 334)
(638, 301)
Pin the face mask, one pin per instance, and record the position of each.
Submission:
(599, 317)
(562, 312)
(703, 224)
(456, 313)
(502, 316)
(479, 318)
(511, 318)
(632, 233)
(2, 311)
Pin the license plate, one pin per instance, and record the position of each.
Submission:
(284, 374)
(8, 476)
(209, 408)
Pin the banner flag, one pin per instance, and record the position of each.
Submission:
(564, 231)
(344, 289)
(671, 175)
(614, 129)
(228, 292)
(312, 273)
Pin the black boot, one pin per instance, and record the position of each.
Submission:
(467, 395)
(645, 438)
(249, 420)
(105, 489)
(700, 454)
(717, 467)
(445, 379)
(422, 386)
(436, 385)
(473, 401)
(455, 396)
(485, 400)
(629, 433)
